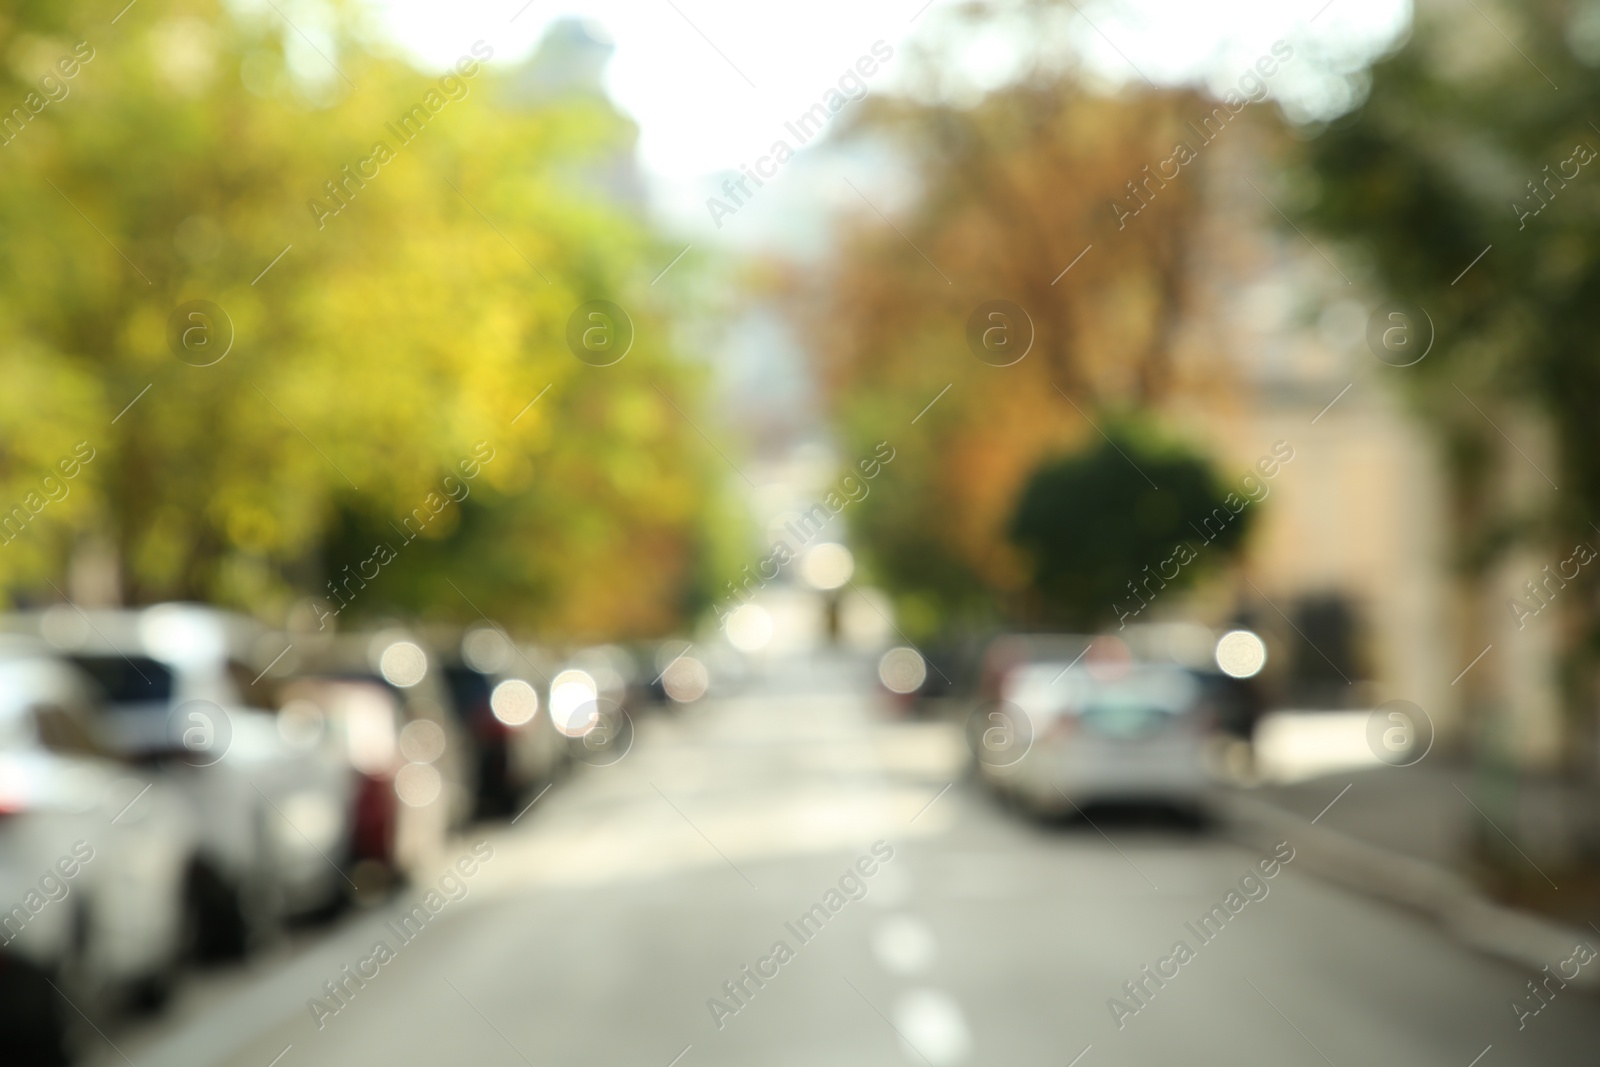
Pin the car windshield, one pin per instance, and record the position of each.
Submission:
(1049, 689)
(129, 680)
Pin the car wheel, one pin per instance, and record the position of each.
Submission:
(33, 1016)
(1192, 816)
(153, 992)
(219, 928)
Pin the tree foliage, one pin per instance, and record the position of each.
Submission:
(1110, 530)
(413, 313)
(1460, 181)
(1001, 195)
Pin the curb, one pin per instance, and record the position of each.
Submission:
(1446, 897)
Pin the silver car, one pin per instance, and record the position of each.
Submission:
(1071, 731)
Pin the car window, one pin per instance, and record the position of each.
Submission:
(128, 679)
(1048, 689)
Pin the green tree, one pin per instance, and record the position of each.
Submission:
(1110, 530)
(395, 293)
(1465, 181)
(1010, 190)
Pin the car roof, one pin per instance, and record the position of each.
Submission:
(173, 632)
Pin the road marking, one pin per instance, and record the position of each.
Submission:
(936, 1020)
(904, 945)
(891, 1025)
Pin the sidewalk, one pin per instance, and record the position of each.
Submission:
(1510, 867)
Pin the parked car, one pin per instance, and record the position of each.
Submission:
(593, 699)
(681, 672)
(494, 686)
(1078, 721)
(186, 695)
(377, 703)
(97, 862)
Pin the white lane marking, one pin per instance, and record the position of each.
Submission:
(904, 945)
(932, 1025)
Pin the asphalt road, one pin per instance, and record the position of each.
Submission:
(602, 926)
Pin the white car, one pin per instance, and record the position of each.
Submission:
(95, 860)
(377, 704)
(185, 693)
(1064, 735)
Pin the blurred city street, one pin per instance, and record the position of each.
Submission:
(660, 535)
(615, 908)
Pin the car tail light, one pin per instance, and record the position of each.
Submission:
(12, 797)
(373, 828)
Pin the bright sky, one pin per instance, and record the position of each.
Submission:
(711, 82)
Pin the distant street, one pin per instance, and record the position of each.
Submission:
(606, 918)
